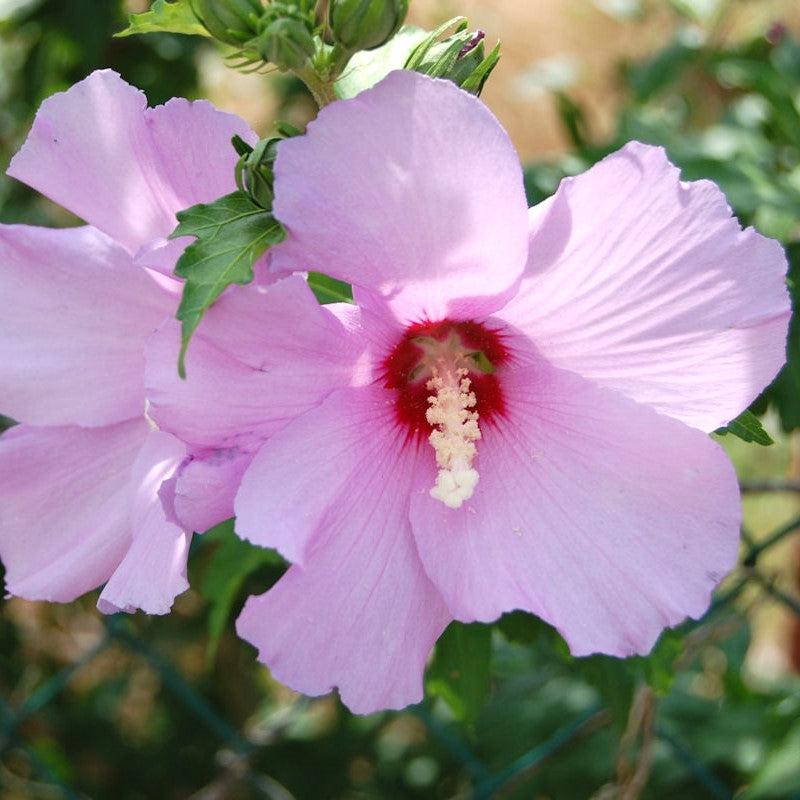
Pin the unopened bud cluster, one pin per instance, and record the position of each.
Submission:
(288, 42)
(287, 33)
(231, 21)
(254, 170)
(298, 36)
(281, 32)
(366, 24)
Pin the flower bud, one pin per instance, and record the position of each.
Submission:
(287, 43)
(254, 174)
(254, 170)
(366, 24)
(459, 57)
(230, 21)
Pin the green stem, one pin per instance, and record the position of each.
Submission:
(320, 73)
(320, 88)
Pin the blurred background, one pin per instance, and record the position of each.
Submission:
(177, 707)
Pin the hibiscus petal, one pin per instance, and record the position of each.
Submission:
(648, 285)
(606, 519)
(65, 507)
(299, 474)
(261, 357)
(206, 486)
(223, 402)
(153, 571)
(412, 188)
(97, 150)
(76, 315)
(360, 614)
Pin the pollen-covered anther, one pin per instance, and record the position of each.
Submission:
(455, 433)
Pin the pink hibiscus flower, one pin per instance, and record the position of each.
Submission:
(517, 403)
(80, 478)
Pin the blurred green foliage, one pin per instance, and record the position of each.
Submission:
(550, 728)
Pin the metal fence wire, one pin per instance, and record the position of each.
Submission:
(485, 783)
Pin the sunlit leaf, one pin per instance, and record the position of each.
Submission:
(165, 17)
(231, 234)
(748, 428)
(368, 67)
(329, 290)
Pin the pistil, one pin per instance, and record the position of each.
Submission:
(455, 433)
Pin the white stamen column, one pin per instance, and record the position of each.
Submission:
(455, 434)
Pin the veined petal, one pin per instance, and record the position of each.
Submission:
(606, 519)
(99, 151)
(262, 356)
(65, 506)
(412, 189)
(205, 487)
(359, 614)
(648, 285)
(153, 571)
(286, 496)
(75, 317)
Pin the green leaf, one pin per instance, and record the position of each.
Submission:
(574, 121)
(614, 679)
(459, 673)
(779, 777)
(651, 76)
(659, 666)
(748, 428)
(230, 565)
(164, 17)
(329, 290)
(527, 629)
(231, 233)
(368, 67)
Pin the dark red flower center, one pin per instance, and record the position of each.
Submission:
(426, 347)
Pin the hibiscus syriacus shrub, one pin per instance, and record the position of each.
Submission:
(437, 404)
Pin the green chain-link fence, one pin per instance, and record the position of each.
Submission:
(484, 779)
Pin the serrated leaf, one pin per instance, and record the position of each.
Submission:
(748, 428)
(329, 290)
(231, 564)
(165, 17)
(460, 670)
(231, 233)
